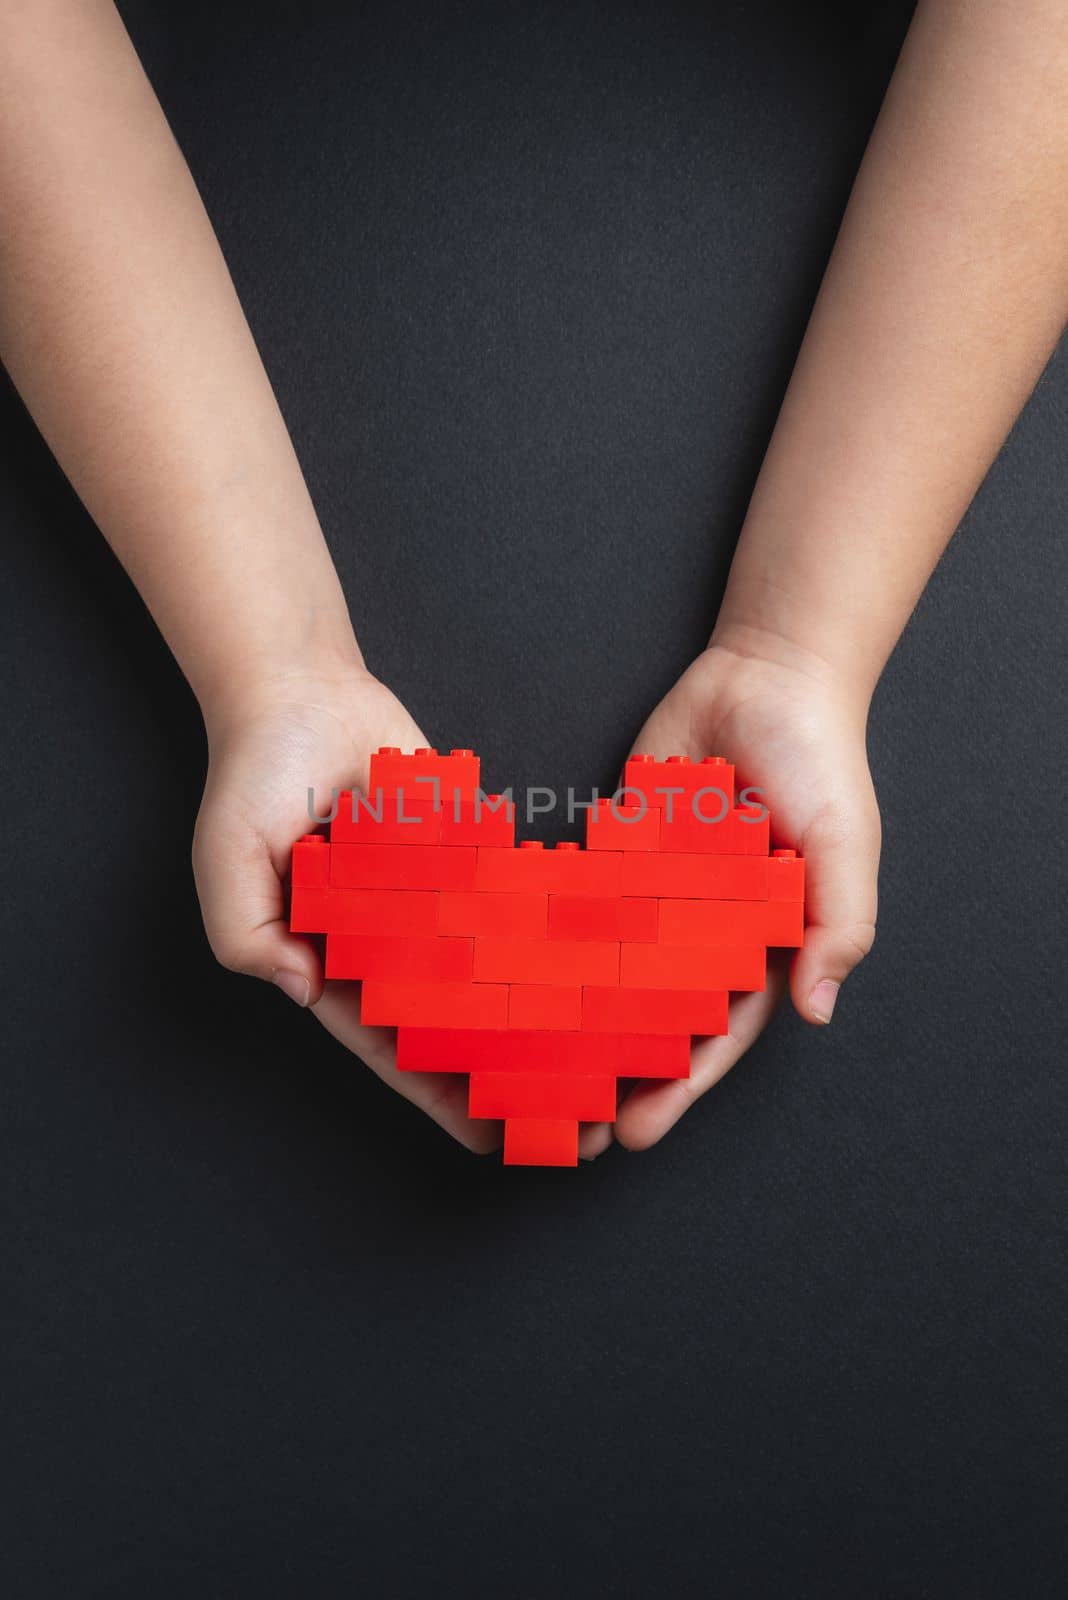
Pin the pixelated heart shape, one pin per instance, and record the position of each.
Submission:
(547, 975)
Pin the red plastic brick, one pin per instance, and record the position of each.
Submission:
(742, 832)
(425, 774)
(544, 1006)
(693, 876)
(680, 1011)
(606, 917)
(435, 1005)
(540, 1142)
(566, 962)
(386, 819)
(477, 821)
(643, 775)
(406, 913)
(786, 876)
(401, 866)
(361, 955)
(612, 825)
(422, 1049)
(657, 966)
(519, 916)
(565, 870)
(732, 922)
(542, 1094)
(631, 1055)
(311, 862)
(638, 1055)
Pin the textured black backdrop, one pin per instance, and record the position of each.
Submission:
(529, 280)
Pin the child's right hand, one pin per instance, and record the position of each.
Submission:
(265, 752)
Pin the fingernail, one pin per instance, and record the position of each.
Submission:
(821, 1000)
(293, 985)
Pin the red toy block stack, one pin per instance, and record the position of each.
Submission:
(547, 975)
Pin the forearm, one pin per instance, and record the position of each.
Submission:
(121, 328)
(946, 293)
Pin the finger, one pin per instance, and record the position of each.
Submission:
(594, 1139)
(442, 1095)
(243, 905)
(669, 731)
(653, 1107)
(842, 894)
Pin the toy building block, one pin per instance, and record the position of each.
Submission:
(518, 916)
(751, 827)
(638, 1055)
(680, 1011)
(544, 1006)
(665, 784)
(693, 876)
(605, 917)
(425, 774)
(311, 862)
(613, 825)
(701, 829)
(364, 955)
(786, 876)
(631, 1055)
(540, 1142)
(657, 966)
(386, 819)
(401, 866)
(434, 1004)
(477, 821)
(542, 1094)
(566, 870)
(552, 961)
(547, 975)
(406, 913)
(730, 922)
(422, 1049)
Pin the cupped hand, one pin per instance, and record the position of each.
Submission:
(265, 754)
(797, 734)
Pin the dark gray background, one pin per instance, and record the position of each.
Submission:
(529, 280)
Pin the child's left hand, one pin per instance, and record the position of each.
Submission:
(797, 734)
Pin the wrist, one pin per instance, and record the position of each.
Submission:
(330, 671)
(743, 666)
(768, 645)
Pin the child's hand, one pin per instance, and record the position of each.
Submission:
(799, 737)
(265, 752)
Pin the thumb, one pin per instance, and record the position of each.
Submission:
(842, 871)
(243, 905)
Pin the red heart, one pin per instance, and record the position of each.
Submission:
(547, 974)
